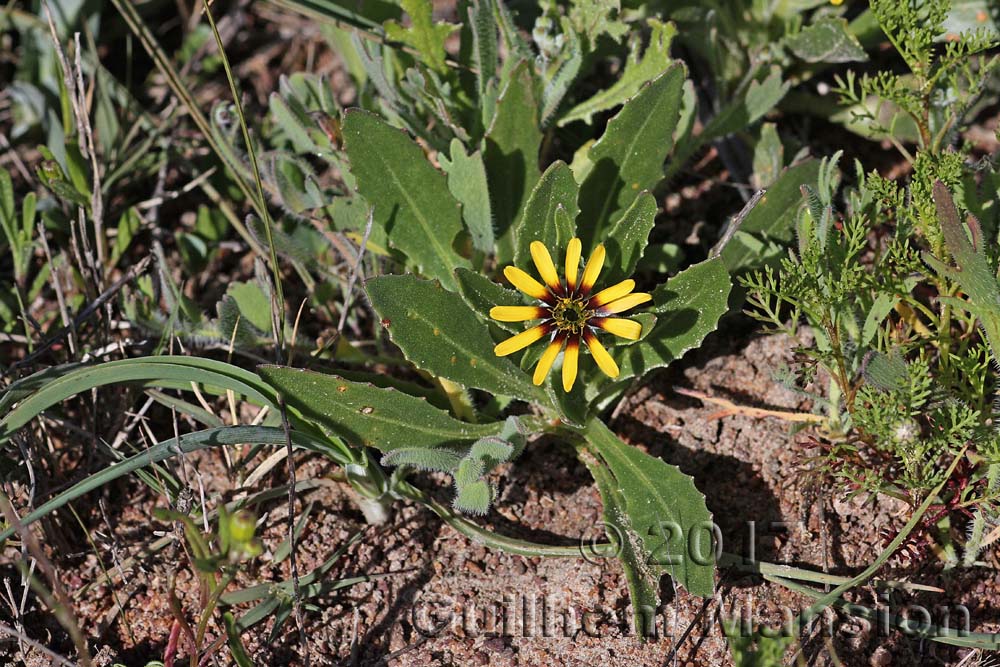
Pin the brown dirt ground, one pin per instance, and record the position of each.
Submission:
(449, 601)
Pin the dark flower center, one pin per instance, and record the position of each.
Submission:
(571, 315)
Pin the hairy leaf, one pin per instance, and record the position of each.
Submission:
(628, 237)
(665, 519)
(440, 334)
(411, 198)
(467, 181)
(484, 43)
(473, 497)
(424, 34)
(972, 269)
(540, 221)
(629, 156)
(440, 459)
(511, 155)
(363, 414)
(828, 40)
(888, 372)
(638, 70)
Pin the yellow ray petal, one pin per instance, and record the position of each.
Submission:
(543, 262)
(522, 281)
(570, 361)
(600, 355)
(609, 294)
(626, 302)
(516, 313)
(593, 269)
(619, 327)
(548, 358)
(573, 251)
(520, 341)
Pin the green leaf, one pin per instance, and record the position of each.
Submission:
(666, 520)
(759, 98)
(768, 157)
(363, 414)
(78, 168)
(484, 43)
(556, 189)
(7, 207)
(881, 307)
(253, 307)
(972, 269)
(411, 198)
(828, 40)
(474, 497)
(467, 181)
(511, 155)
(688, 308)
(43, 390)
(628, 237)
(772, 219)
(630, 154)
(638, 70)
(366, 16)
(775, 213)
(972, 15)
(350, 214)
(236, 649)
(440, 334)
(128, 226)
(424, 35)
(440, 459)
(643, 584)
(481, 294)
(52, 177)
(887, 372)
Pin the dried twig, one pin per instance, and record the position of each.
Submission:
(730, 408)
(356, 270)
(57, 601)
(60, 297)
(134, 272)
(41, 648)
(735, 222)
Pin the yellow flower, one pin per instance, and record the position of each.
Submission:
(570, 314)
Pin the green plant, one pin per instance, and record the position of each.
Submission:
(928, 105)
(18, 228)
(896, 325)
(449, 336)
(215, 559)
(506, 137)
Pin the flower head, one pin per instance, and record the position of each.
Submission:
(569, 311)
